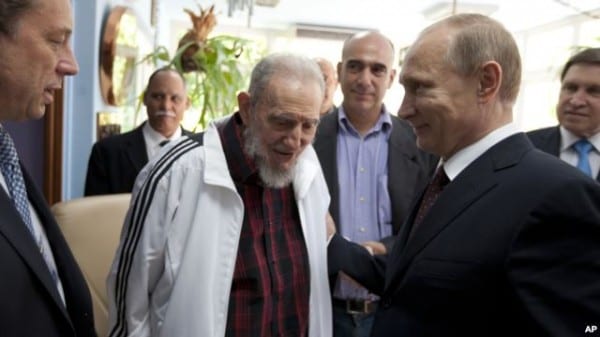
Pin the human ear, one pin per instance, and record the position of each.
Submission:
(243, 99)
(145, 97)
(392, 76)
(490, 79)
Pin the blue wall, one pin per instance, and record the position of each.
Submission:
(29, 141)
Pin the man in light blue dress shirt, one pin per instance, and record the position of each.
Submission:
(372, 167)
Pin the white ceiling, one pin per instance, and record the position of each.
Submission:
(389, 16)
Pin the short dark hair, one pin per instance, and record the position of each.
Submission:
(10, 12)
(587, 56)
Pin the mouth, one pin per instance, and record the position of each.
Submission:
(48, 96)
(362, 95)
(576, 113)
(163, 113)
(418, 126)
(362, 92)
(420, 129)
(283, 156)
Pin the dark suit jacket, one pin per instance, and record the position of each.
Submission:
(31, 303)
(409, 168)
(548, 140)
(510, 248)
(116, 161)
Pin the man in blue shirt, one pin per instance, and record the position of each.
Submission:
(372, 167)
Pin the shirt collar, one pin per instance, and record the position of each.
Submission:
(154, 138)
(568, 138)
(461, 159)
(384, 123)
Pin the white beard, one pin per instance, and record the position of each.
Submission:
(272, 177)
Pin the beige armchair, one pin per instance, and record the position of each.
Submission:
(92, 227)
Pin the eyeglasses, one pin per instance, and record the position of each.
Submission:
(289, 121)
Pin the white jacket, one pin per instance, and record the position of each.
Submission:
(173, 270)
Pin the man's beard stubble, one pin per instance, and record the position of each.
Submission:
(271, 177)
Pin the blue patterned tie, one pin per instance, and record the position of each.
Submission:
(9, 165)
(583, 148)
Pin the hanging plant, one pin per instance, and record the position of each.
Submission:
(215, 68)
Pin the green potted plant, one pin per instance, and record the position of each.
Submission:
(215, 68)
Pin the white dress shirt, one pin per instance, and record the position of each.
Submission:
(152, 138)
(461, 159)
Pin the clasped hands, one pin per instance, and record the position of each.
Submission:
(374, 247)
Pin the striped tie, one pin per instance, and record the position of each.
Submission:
(9, 166)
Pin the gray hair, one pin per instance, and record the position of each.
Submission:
(10, 13)
(289, 66)
(476, 39)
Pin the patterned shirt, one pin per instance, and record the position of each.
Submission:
(270, 289)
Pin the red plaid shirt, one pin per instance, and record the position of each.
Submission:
(270, 289)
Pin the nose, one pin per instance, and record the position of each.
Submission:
(578, 98)
(166, 104)
(407, 108)
(67, 64)
(364, 76)
(295, 137)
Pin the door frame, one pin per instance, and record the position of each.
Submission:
(53, 149)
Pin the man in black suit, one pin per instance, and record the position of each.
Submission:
(116, 161)
(512, 243)
(42, 289)
(372, 167)
(578, 112)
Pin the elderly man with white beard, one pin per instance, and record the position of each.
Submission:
(116, 161)
(226, 232)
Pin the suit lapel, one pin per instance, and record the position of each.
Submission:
(185, 132)
(403, 168)
(15, 231)
(135, 149)
(551, 143)
(326, 147)
(471, 184)
(457, 196)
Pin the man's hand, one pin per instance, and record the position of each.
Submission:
(374, 247)
(330, 226)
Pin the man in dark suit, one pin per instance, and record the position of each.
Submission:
(578, 112)
(372, 167)
(116, 161)
(42, 289)
(511, 245)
